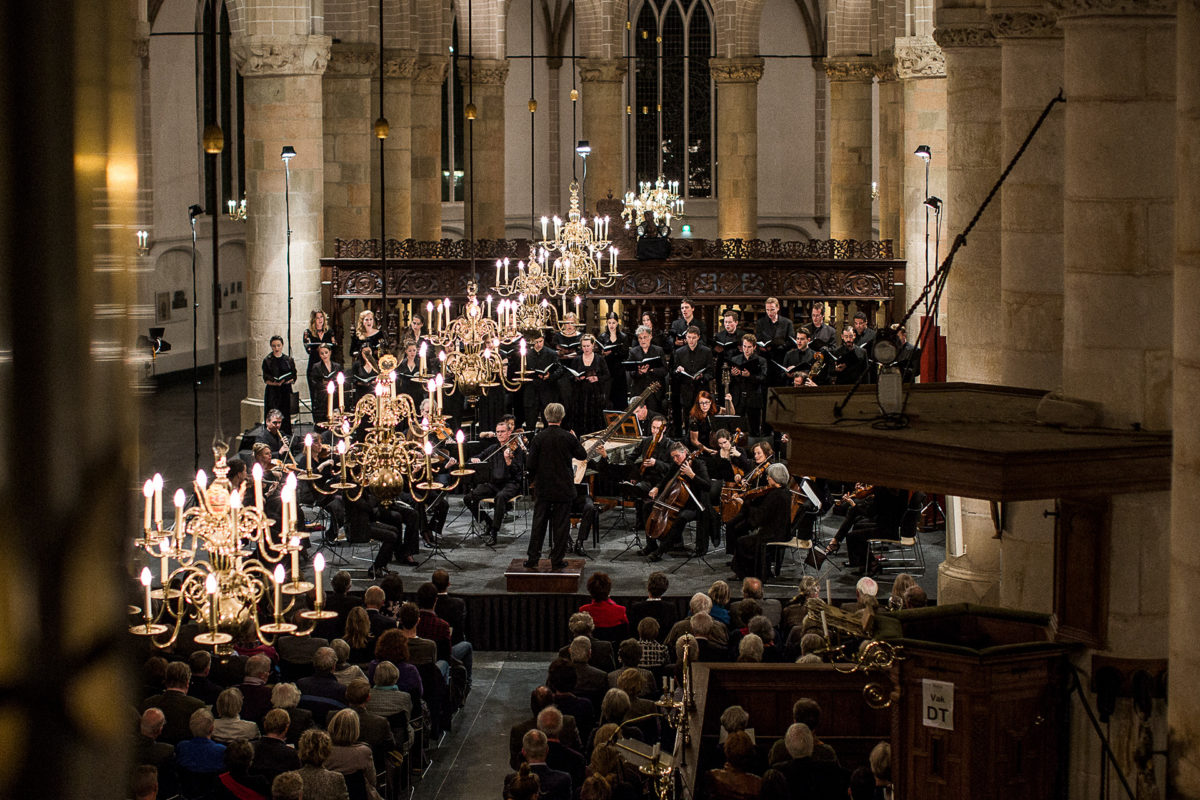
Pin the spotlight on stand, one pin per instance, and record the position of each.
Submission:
(288, 153)
(584, 149)
(195, 210)
(923, 152)
(934, 203)
(155, 341)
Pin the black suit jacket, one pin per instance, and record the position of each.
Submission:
(379, 622)
(272, 757)
(566, 760)
(568, 736)
(554, 784)
(178, 708)
(550, 457)
(803, 777)
(661, 610)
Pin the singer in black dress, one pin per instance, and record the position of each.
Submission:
(589, 373)
(279, 375)
(317, 333)
(320, 373)
(614, 344)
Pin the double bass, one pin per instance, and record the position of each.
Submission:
(669, 502)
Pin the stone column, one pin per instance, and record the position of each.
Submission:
(283, 106)
(1183, 712)
(850, 81)
(603, 81)
(426, 141)
(1032, 198)
(921, 68)
(1119, 190)
(483, 150)
(398, 69)
(737, 145)
(973, 159)
(346, 91)
(891, 155)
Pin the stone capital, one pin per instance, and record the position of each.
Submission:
(965, 36)
(487, 71)
(736, 70)
(1112, 8)
(602, 70)
(400, 64)
(352, 60)
(850, 69)
(430, 69)
(919, 57)
(1025, 25)
(277, 56)
(885, 70)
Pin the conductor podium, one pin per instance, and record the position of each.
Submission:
(564, 580)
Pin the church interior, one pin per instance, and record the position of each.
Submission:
(1016, 182)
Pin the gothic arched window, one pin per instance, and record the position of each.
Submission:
(222, 105)
(672, 109)
(453, 133)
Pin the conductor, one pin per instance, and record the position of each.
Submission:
(549, 465)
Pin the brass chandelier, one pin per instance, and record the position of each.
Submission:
(470, 346)
(581, 249)
(660, 198)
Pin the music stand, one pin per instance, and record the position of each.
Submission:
(731, 423)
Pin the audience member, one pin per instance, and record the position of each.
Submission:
(358, 636)
(801, 775)
(319, 783)
(540, 698)
(524, 785)
(229, 725)
(807, 711)
(288, 786)
(322, 683)
(750, 649)
(256, 694)
(454, 611)
(286, 697)
(899, 587)
(373, 600)
(345, 672)
(735, 780)
(272, 755)
(607, 615)
(915, 597)
(148, 751)
(630, 654)
(654, 652)
(347, 754)
(200, 754)
(595, 787)
(654, 605)
(559, 756)
(144, 783)
(386, 697)
(373, 730)
(420, 650)
(430, 626)
(752, 589)
(880, 762)
(702, 628)
(177, 706)
(553, 784)
(238, 780)
(589, 681)
(699, 602)
(201, 685)
(582, 624)
(393, 646)
(862, 784)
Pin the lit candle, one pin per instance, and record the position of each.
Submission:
(318, 569)
(564, 304)
(378, 407)
(308, 452)
(441, 381)
(235, 508)
(341, 382)
(329, 390)
(290, 485)
(180, 499)
(257, 472)
(489, 305)
(429, 314)
(158, 486)
(201, 487)
(294, 546)
(460, 437)
(162, 571)
(428, 461)
(147, 612)
(497, 272)
(544, 221)
(522, 358)
(506, 270)
(278, 585)
(829, 591)
(148, 493)
(392, 380)
(424, 348)
(210, 587)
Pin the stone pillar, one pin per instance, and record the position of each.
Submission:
(1183, 711)
(850, 81)
(973, 293)
(398, 69)
(891, 156)
(483, 150)
(1119, 190)
(604, 121)
(1032, 198)
(426, 142)
(737, 145)
(346, 91)
(921, 68)
(283, 106)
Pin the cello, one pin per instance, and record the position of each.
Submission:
(669, 502)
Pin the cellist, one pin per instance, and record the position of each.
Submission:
(691, 476)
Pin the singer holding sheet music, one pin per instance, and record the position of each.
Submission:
(278, 374)
(646, 365)
(690, 373)
(747, 373)
(589, 374)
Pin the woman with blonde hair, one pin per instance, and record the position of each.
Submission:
(358, 636)
(347, 754)
(367, 336)
(719, 592)
(319, 783)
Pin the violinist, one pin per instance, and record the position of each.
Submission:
(589, 373)
(692, 477)
(882, 508)
(754, 482)
(501, 472)
(541, 365)
(748, 372)
(646, 365)
(770, 514)
(433, 507)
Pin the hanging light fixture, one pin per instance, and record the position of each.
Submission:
(660, 198)
(581, 248)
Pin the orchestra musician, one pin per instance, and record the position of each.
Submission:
(748, 372)
(277, 442)
(550, 456)
(694, 475)
(689, 374)
(699, 423)
(501, 473)
(614, 345)
(728, 463)
(646, 365)
(753, 481)
(320, 373)
(771, 516)
(882, 507)
(589, 373)
(649, 465)
(541, 364)
(278, 374)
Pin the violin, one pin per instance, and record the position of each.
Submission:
(669, 502)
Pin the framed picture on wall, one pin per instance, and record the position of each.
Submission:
(162, 307)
